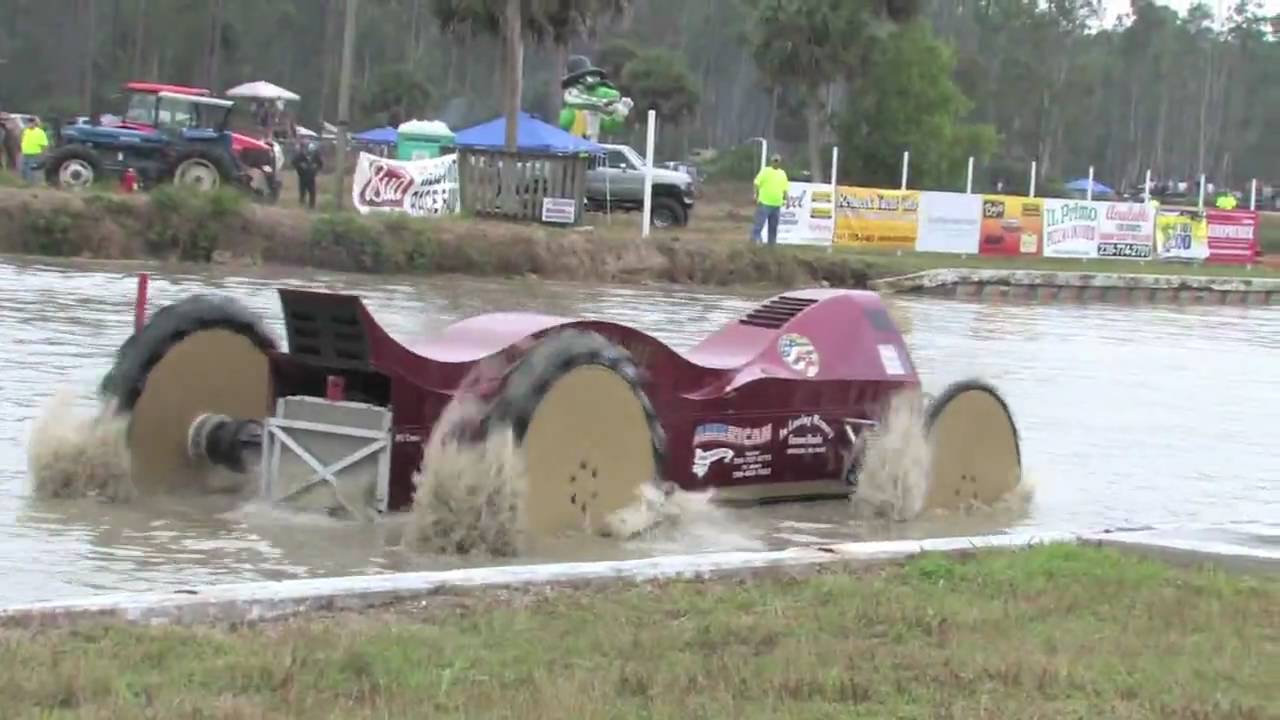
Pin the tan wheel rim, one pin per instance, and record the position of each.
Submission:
(209, 371)
(588, 452)
(975, 457)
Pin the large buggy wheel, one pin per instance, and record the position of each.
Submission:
(204, 355)
(590, 438)
(976, 456)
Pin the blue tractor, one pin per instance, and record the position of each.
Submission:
(183, 140)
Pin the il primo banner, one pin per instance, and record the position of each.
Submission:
(808, 216)
(1081, 229)
(423, 188)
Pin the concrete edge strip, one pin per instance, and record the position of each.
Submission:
(259, 601)
(250, 602)
(942, 277)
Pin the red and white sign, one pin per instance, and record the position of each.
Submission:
(1233, 236)
(422, 188)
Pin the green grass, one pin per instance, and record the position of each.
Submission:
(1061, 632)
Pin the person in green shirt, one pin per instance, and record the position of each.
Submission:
(34, 143)
(770, 195)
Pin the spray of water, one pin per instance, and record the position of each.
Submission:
(71, 454)
(894, 477)
(470, 495)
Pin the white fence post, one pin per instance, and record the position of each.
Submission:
(648, 173)
(835, 192)
(968, 183)
(1032, 193)
(1089, 191)
(1253, 194)
(1146, 187)
(1201, 191)
(764, 153)
(906, 163)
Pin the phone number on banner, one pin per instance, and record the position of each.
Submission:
(1124, 250)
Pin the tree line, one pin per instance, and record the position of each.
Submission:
(1008, 81)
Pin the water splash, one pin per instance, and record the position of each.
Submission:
(894, 478)
(74, 455)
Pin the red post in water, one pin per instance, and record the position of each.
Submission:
(335, 388)
(140, 302)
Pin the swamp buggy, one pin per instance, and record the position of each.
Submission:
(776, 405)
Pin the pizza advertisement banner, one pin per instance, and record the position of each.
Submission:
(1011, 225)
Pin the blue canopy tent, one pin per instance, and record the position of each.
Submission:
(378, 136)
(533, 135)
(1082, 186)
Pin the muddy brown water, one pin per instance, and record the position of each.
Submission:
(1130, 416)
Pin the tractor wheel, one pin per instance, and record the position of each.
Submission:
(590, 438)
(204, 355)
(666, 213)
(974, 443)
(72, 168)
(202, 170)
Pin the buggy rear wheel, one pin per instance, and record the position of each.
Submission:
(975, 454)
(591, 442)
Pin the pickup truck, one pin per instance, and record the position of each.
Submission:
(615, 181)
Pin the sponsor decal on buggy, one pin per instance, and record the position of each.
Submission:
(752, 464)
(807, 435)
(702, 459)
(799, 354)
(732, 435)
(891, 360)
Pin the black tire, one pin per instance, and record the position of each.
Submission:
(141, 351)
(221, 163)
(940, 402)
(53, 164)
(667, 212)
(553, 357)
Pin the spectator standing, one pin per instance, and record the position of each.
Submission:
(307, 163)
(34, 144)
(770, 195)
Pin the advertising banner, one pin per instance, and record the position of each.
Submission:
(422, 188)
(1126, 230)
(808, 216)
(1011, 225)
(1182, 235)
(949, 223)
(879, 218)
(1082, 229)
(1233, 236)
(1071, 229)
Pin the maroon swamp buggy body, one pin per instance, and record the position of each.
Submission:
(773, 406)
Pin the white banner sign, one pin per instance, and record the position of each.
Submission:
(1080, 229)
(422, 188)
(808, 215)
(949, 223)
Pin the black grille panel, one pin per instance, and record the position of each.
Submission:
(325, 329)
(775, 313)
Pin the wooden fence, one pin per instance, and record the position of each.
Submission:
(484, 176)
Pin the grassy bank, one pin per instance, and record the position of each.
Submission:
(225, 227)
(1058, 631)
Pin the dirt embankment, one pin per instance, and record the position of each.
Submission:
(225, 228)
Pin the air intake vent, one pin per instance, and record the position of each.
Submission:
(325, 329)
(775, 313)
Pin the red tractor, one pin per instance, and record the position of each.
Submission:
(777, 405)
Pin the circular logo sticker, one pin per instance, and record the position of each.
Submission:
(799, 354)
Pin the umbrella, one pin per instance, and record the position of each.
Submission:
(1082, 185)
(262, 90)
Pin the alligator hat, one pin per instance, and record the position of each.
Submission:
(579, 67)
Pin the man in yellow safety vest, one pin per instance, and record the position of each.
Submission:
(770, 195)
(34, 143)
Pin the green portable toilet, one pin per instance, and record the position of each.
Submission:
(422, 139)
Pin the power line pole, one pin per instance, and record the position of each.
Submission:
(344, 101)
